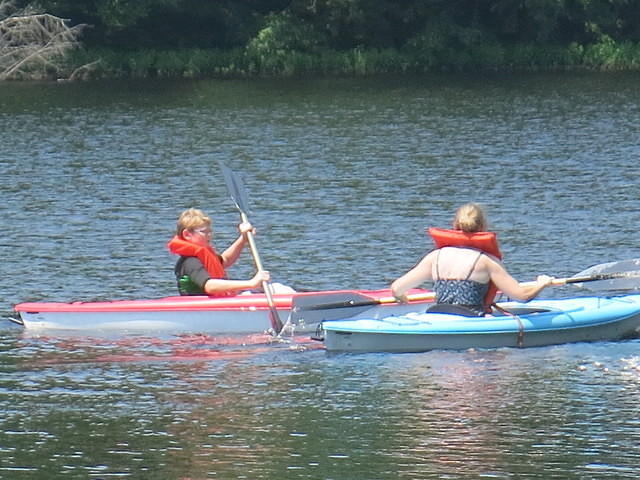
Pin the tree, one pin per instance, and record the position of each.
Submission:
(32, 44)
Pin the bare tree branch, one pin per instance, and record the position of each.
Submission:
(33, 45)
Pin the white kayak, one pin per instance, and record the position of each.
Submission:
(240, 314)
(532, 324)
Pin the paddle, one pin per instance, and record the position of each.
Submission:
(240, 198)
(622, 275)
(313, 308)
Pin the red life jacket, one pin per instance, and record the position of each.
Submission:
(207, 255)
(484, 241)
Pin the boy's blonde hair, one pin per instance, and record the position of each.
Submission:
(191, 219)
(470, 218)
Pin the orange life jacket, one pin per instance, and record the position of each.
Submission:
(207, 255)
(484, 241)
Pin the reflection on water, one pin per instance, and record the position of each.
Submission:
(343, 177)
(184, 408)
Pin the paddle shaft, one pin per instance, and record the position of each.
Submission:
(369, 302)
(602, 276)
(588, 278)
(276, 323)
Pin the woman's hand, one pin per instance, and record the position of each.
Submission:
(544, 280)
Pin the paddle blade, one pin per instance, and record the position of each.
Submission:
(310, 309)
(274, 320)
(236, 188)
(622, 275)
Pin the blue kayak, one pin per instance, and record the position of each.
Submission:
(532, 324)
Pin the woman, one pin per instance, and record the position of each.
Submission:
(466, 268)
(200, 269)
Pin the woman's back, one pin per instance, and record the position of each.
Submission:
(459, 263)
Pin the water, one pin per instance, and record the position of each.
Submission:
(343, 177)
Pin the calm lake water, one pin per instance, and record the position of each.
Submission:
(343, 177)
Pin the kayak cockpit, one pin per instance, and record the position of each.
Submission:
(518, 311)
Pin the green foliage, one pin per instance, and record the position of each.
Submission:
(193, 63)
(163, 23)
(606, 54)
(117, 14)
(282, 45)
(186, 63)
(193, 38)
(444, 44)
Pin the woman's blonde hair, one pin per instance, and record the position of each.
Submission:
(191, 219)
(470, 218)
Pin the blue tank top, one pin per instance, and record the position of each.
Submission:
(467, 293)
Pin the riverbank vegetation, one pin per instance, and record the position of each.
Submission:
(240, 38)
